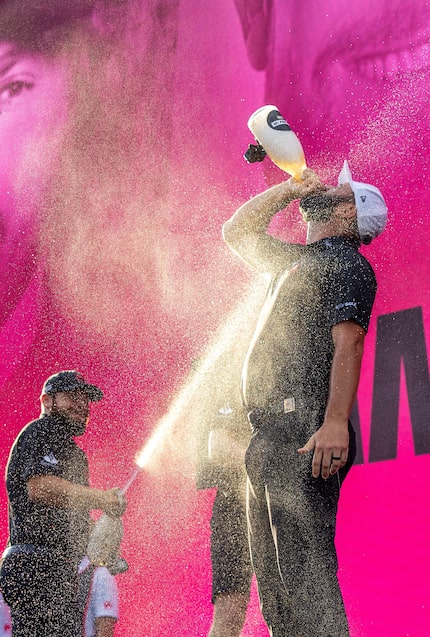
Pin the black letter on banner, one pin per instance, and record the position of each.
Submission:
(355, 422)
(400, 337)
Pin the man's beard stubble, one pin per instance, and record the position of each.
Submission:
(317, 207)
(76, 427)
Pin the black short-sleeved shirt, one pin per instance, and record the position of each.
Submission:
(46, 447)
(321, 285)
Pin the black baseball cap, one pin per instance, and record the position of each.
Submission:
(69, 381)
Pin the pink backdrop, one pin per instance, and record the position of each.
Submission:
(113, 264)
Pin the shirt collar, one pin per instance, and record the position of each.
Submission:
(335, 242)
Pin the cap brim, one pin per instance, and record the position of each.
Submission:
(370, 205)
(345, 175)
(93, 392)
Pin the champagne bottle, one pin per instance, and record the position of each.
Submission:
(281, 144)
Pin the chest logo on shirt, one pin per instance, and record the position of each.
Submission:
(107, 604)
(226, 410)
(49, 460)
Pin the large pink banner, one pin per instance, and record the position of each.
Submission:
(122, 130)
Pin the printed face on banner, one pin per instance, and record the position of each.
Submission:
(33, 107)
(340, 66)
(353, 77)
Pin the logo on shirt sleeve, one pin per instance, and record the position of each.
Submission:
(49, 460)
(347, 304)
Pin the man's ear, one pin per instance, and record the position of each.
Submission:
(46, 403)
(345, 210)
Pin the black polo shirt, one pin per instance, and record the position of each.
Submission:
(46, 447)
(319, 286)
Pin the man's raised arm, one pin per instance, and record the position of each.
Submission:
(246, 231)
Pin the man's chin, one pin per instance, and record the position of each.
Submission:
(78, 427)
(314, 208)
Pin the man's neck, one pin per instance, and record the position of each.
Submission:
(318, 231)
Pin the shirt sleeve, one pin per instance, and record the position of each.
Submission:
(352, 290)
(41, 455)
(104, 598)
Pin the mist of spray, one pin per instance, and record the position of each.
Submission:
(236, 327)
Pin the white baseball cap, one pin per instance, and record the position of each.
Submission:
(370, 204)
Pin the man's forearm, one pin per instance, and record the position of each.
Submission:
(345, 371)
(56, 491)
(253, 218)
(246, 231)
(330, 442)
(104, 626)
